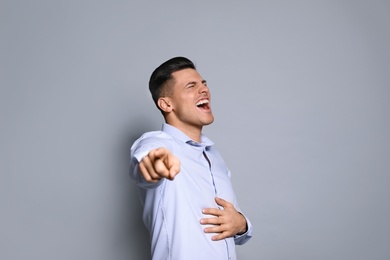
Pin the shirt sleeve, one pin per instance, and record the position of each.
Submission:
(139, 150)
(243, 238)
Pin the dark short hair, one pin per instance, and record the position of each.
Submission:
(162, 75)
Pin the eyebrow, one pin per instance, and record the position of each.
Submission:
(194, 82)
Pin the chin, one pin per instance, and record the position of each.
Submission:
(209, 122)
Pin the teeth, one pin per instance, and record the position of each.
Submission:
(202, 102)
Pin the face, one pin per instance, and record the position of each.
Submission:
(190, 101)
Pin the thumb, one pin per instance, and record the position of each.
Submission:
(174, 167)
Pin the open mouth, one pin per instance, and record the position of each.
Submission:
(203, 104)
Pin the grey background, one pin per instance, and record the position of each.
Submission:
(300, 94)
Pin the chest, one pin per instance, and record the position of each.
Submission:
(203, 176)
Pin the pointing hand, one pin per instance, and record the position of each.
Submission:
(159, 163)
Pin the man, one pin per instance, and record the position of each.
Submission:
(190, 208)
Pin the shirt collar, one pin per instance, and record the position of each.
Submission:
(178, 134)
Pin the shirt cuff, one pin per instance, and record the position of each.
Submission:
(243, 238)
(141, 155)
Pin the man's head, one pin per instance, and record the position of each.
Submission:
(161, 81)
(181, 94)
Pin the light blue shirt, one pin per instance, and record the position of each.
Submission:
(173, 209)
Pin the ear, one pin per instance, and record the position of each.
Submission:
(164, 103)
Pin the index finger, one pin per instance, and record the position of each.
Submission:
(212, 211)
(166, 164)
(160, 153)
(224, 203)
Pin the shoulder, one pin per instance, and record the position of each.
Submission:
(154, 135)
(152, 139)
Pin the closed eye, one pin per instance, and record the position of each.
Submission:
(193, 84)
(190, 84)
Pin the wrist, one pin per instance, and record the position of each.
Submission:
(244, 226)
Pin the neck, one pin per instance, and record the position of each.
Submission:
(193, 132)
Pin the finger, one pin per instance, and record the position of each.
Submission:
(161, 169)
(210, 221)
(151, 168)
(147, 170)
(215, 229)
(212, 211)
(221, 236)
(220, 232)
(160, 153)
(170, 166)
(223, 203)
(174, 167)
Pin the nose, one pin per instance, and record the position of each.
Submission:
(203, 89)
